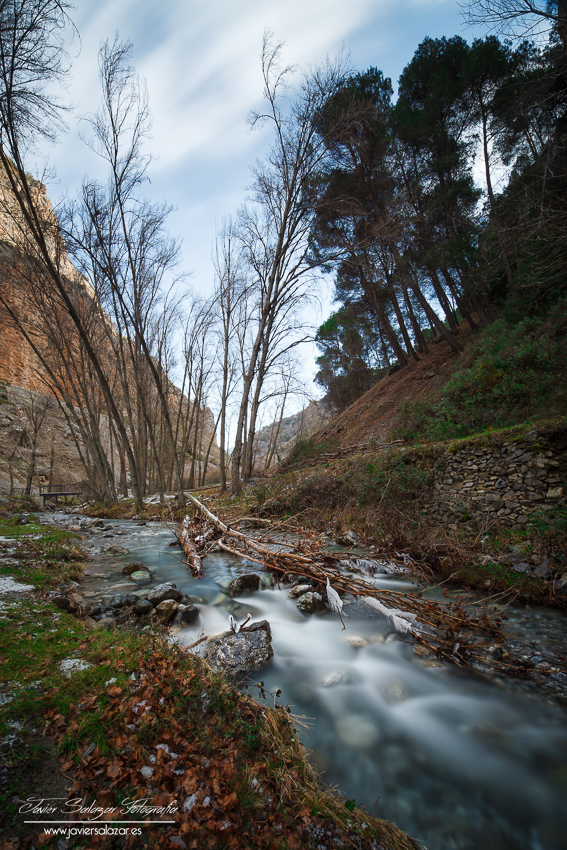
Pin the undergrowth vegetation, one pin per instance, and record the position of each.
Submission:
(511, 373)
(379, 494)
(309, 449)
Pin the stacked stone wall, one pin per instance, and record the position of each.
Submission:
(501, 482)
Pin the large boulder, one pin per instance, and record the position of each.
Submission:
(164, 591)
(246, 583)
(237, 654)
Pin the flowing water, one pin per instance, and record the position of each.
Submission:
(459, 762)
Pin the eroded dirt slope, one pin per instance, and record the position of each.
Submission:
(374, 414)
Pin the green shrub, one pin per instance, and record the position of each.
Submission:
(510, 374)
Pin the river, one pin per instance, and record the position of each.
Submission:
(457, 761)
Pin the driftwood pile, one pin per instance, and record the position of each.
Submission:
(445, 628)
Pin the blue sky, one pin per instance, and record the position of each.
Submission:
(202, 67)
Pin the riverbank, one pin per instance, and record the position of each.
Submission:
(486, 512)
(119, 715)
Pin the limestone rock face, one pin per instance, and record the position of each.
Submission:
(236, 654)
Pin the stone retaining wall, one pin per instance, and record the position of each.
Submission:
(503, 482)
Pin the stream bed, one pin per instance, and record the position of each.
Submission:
(456, 760)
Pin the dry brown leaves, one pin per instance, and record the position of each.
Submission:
(175, 767)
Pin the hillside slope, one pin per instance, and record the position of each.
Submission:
(373, 415)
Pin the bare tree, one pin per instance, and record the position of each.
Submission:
(275, 230)
(119, 242)
(32, 61)
(513, 17)
(230, 298)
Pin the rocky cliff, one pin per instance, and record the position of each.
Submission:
(26, 387)
(298, 426)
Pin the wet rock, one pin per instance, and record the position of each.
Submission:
(541, 571)
(348, 538)
(188, 615)
(244, 584)
(118, 601)
(23, 519)
(299, 590)
(267, 581)
(132, 568)
(395, 692)
(356, 730)
(235, 655)
(309, 603)
(117, 550)
(142, 522)
(164, 591)
(140, 577)
(357, 642)
(218, 599)
(98, 523)
(62, 602)
(142, 607)
(238, 610)
(130, 600)
(260, 625)
(165, 612)
(335, 678)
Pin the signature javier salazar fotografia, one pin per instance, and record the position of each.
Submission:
(47, 809)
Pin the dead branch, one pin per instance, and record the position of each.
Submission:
(446, 629)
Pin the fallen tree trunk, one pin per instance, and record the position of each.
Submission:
(189, 549)
(446, 629)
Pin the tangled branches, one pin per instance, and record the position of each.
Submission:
(447, 629)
